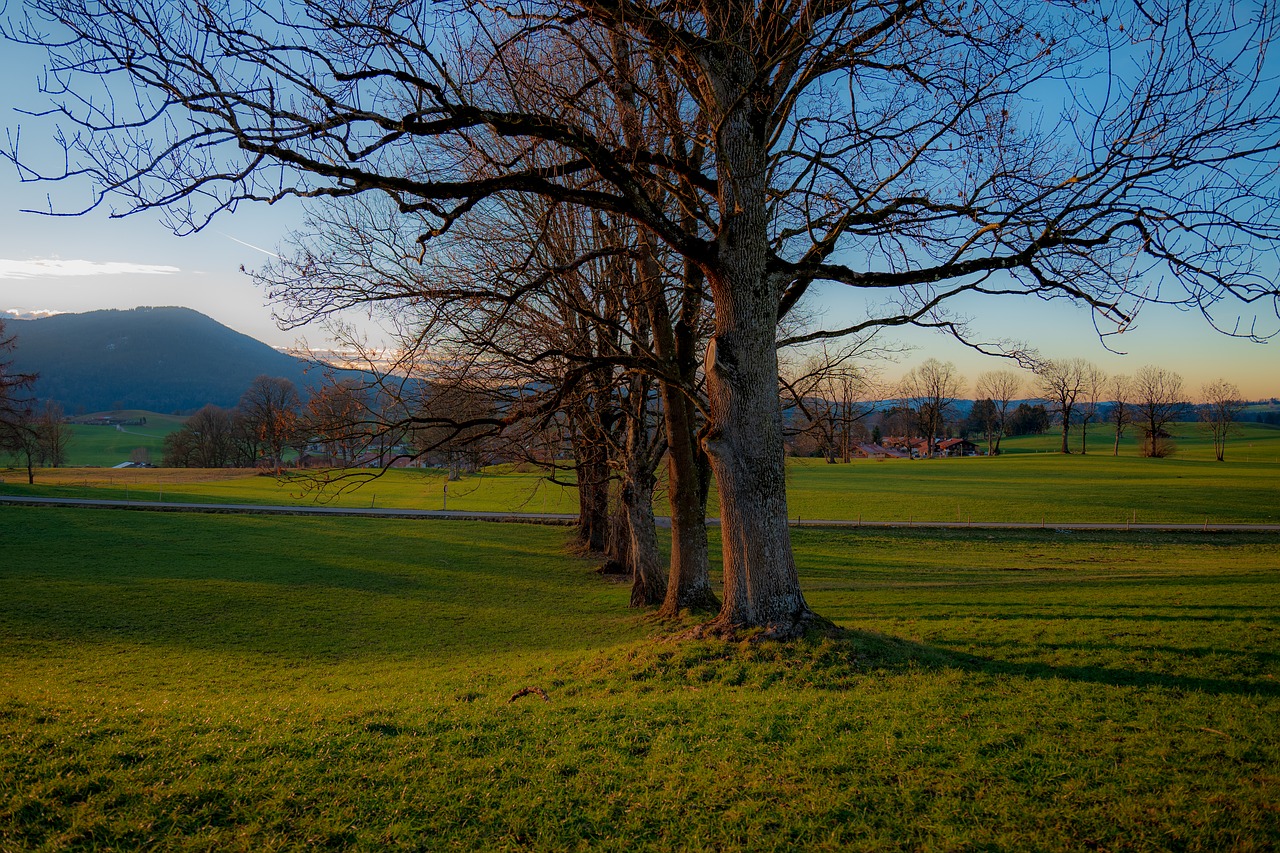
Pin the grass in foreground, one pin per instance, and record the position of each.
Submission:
(215, 682)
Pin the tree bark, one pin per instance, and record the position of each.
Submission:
(617, 552)
(592, 465)
(689, 580)
(744, 439)
(648, 581)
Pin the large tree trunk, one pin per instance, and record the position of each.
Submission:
(648, 581)
(744, 441)
(592, 466)
(617, 552)
(689, 580)
(648, 575)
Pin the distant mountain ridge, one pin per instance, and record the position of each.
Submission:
(158, 359)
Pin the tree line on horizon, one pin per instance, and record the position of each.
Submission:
(842, 409)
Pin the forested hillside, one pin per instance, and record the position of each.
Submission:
(159, 359)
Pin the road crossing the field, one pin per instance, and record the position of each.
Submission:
(565, 519)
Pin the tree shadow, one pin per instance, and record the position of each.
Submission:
(867, 650)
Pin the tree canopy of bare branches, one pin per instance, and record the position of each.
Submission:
(914, 151)
(1220, 408)
(931, 390)
(1121, 414)
(1059, 383)
(1158, 401)
(1001, 387)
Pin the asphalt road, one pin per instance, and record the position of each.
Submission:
(564, 519)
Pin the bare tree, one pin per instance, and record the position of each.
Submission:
(931, 390)
(901, 149)
(1158, 401)
(339, 419)
(1219, 411)
(17, 433)
(1093, 384)
(1058, 384)
(1120, 389)
(1001, 387)
(212, 431)
(832, 387)
(270, 407)
(53, 436)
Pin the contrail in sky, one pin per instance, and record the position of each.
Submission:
(250, 245)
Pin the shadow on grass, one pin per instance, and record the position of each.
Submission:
(1060, 611)
(843, 659)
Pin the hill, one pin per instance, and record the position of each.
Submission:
(158, 359)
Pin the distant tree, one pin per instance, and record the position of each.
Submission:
(1093, 384)
(1219, 411)
(1121, 414)
(206, 440)
(980, 419)
(897, 421)
(53, 436)
(270, 408)
(140, 456)
(931, 390)
(1158, 400)
(1058, 383)
(999, 387)
(179, 449)
(1028, 420)
(338, 417)
(455, 424)
(833, 390)
(212, 431)
(17, 434)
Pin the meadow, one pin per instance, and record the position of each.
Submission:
(108, 445)
(1027, 484)
(211, 682)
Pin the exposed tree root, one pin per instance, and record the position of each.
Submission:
(529, 691)
(613, 567)
(698, 601)
(805, 623)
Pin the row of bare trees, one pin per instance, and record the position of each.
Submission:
(835, 398)
(1079, 392)
(256, 432)
(727, 158)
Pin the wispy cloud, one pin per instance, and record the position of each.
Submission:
(24, 314)
(58, 268)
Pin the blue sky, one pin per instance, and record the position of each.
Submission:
(91, 262)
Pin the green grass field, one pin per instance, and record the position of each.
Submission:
(251, 683)
(107, 446)
(1023, 486)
